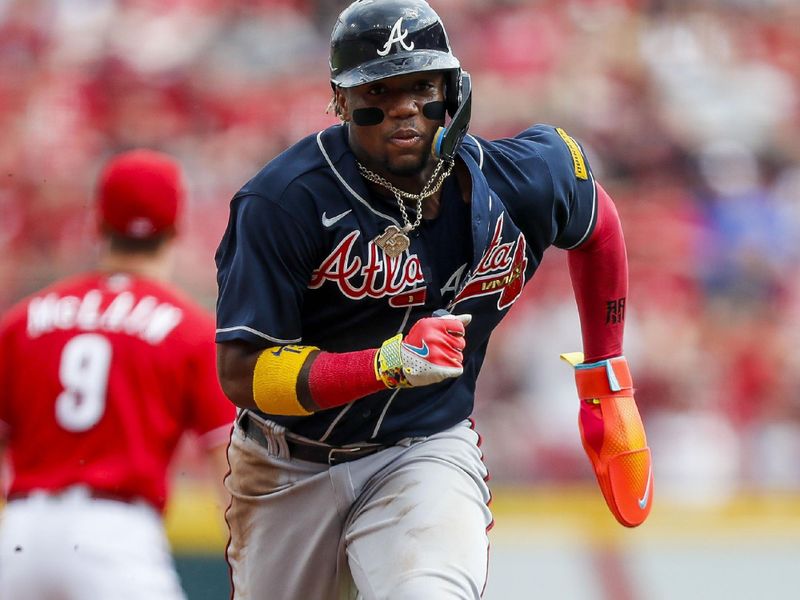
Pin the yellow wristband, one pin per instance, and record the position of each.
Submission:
(389, 363)
(275, 380)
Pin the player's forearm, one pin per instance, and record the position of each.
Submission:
(300, 380)
(599, 273)
(296, 380)
(235, 364)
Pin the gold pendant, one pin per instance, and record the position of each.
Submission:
(393, 241)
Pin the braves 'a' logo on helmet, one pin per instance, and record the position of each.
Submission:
(375, 40)
(396, 36)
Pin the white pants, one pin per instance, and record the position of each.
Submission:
(407, 523)
(70, 546)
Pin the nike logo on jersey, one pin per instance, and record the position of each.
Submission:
(330, 222)
(643, 500)
(421, 351)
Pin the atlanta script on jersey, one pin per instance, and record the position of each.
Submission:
(298, 263)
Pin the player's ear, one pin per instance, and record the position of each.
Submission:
(335, 104)
(340, 104)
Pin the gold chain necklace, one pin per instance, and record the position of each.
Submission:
(394, 241)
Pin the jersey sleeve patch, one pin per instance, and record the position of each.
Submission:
(578, 162)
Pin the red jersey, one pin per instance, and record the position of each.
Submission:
(100, 375)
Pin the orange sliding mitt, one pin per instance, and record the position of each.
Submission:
(613, 436)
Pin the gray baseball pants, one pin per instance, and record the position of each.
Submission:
(407, 523)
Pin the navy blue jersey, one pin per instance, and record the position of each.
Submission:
(298, 264)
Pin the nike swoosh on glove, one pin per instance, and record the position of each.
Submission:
(613, 436)
(430, 353)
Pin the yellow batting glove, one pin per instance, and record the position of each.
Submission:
(613, 436)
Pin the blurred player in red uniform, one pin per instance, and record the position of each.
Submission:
(101, 374)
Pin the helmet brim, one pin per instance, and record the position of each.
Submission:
(404, 63)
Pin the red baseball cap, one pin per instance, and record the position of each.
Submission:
(139, 193)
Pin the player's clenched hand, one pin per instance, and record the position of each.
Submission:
(430, 353)
(613, 436)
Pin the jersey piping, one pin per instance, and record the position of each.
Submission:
(391, 398)
(259, 334)
(592, 219)
(383, 414)
(347, 185)
(335, 422)
(480, 150)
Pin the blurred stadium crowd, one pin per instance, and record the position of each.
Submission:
(688, 109)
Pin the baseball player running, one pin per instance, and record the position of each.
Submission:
(360, 276)
(100, 375)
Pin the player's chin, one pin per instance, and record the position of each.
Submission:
(407, 163)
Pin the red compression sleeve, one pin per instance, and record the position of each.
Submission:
(335, 379)
(598, 269)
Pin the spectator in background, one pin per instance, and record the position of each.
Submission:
(75, 79)
(101, 376)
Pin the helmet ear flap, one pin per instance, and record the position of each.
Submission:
(452, 91)
(447, 139)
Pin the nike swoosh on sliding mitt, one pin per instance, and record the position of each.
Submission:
(422, 351)
(613, 436)
(430, 353)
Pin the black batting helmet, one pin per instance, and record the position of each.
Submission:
(376, 39)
